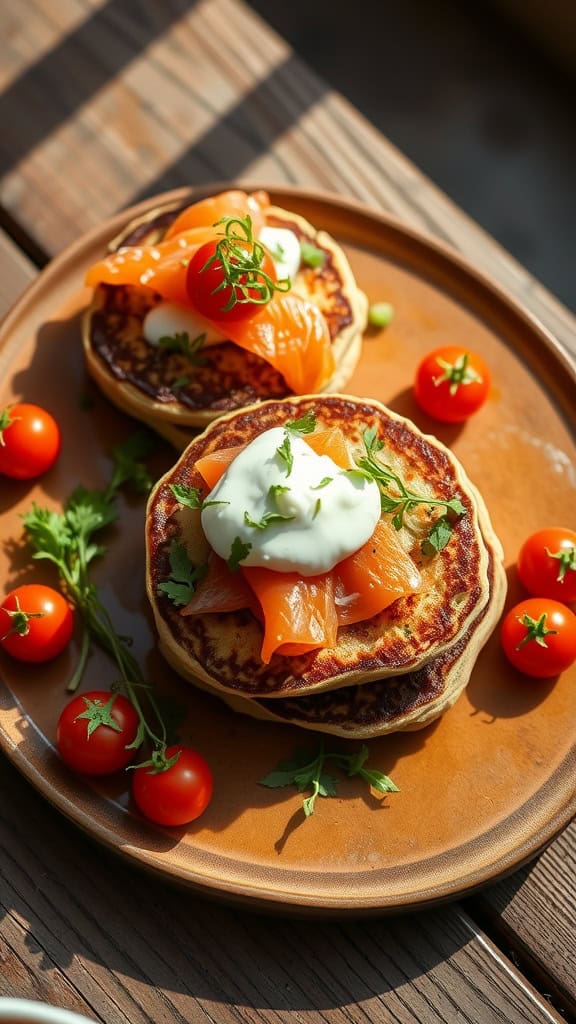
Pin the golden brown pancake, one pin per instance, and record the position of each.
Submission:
(147, 382)
(223, 649)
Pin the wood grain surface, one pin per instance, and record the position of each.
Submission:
(107, 102)
(104, 102)
(83, 931)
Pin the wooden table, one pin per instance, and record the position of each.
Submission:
(102, 103)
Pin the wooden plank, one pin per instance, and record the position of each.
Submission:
(535, 911)
(16, 272)
(204, 92)
(132, 949)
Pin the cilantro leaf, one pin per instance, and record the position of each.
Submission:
(317, 508)
(285, 453)
(307, 772)
(438, 537)
(184, 576)
(305, 425)
(238, 553)
(191, 497)
(188, 496)
(323, 483)
(268, 519)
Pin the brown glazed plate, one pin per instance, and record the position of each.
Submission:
(485, 787)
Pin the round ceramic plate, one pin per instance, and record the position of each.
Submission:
(483, 789)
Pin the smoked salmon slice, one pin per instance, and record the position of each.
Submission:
(292, 335)
(233, 203)
(373, 577)
(162, 267)
(221, 591)
(302, 614)
(298, 611)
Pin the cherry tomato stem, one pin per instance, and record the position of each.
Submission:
(36, 623)
(451, 383)
(539, 637)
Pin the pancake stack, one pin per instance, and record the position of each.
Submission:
(148, 384)
(400, 669)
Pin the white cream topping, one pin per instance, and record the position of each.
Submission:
(168, 318)
(284, 248)
(332, 512)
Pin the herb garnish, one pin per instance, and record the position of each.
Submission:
(238, 553)
(317, 508)
(406, 500)
(307, 772)
(180, 342)
(241, 256)
(191, 497)
(311, 255)
(323, 483)
(275, 489)
(180, 382)
(184, 576)
(67, 540)
(268, 519)
(285, 453)
(305, 425)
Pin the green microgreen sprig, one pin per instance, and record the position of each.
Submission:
(404, 500)
(241, 257)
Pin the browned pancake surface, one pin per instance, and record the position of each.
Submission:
(224, 649)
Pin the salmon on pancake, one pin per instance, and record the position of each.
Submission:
(192, 318)
(304, 545)
(395, 703)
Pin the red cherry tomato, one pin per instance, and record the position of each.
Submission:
(36, 623)
(539, 637)
(210, 294)
(29, 441)
(177, 795)
(547, 563)
(94, 730)
(451, 383)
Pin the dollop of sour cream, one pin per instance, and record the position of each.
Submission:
(168, 318)
(329, 513)
(284, 248)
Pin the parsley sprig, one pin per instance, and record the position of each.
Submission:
(68, 540)
(307, 772)
(241, 257)
(191, 497)
(184, 576)
(402, 500)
